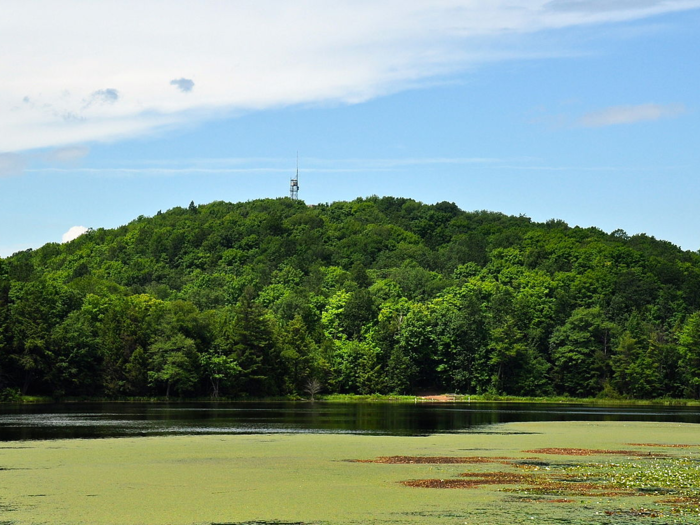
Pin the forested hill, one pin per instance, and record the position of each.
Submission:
(382, 295)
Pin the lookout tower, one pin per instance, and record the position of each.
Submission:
(294, 184)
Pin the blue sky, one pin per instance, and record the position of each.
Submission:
(581, 110)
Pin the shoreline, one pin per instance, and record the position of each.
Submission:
(366, 398)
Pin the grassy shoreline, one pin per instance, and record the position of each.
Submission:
(370, 398)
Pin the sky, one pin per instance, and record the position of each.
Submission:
(580, 110)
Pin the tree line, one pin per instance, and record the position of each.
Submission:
(377, 295)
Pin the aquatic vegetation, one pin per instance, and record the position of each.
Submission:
(306, 479)
(474, 480)
(658, 475)
(654, 475)
(589, 452)
(637, 513)
(679, 477)
(275, 522)
(662, 445)
(434, 460)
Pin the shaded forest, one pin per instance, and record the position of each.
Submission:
(377, 295)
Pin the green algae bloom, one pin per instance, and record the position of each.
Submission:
(307, 478)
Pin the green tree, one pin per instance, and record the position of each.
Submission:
(581, 352)
(689, 348)
(77, 361)
(254, 347)
(357, 367)
(358, 314)
(35, 309)
(5, 327)
(174, 362)
(219, 364)
(297, 353)
(507, 345)
(461, 337)
(386, 294)
(125, 324)
(411, 363)
(221, 370)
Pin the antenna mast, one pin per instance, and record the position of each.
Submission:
(294, 184)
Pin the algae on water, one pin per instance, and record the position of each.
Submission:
(317, 478)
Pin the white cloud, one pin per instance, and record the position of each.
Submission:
(631, 114)
(73, 233)
(99, 71)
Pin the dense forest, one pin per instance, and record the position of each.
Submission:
(379, 295)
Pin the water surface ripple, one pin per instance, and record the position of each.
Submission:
(99, 420)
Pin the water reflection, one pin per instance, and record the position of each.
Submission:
(94, 420)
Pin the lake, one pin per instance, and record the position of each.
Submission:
(103, 420)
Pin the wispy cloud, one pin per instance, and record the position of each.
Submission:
(151, 171)
(616, 115)
(67, 155)
(97, 71)
(11, 164)
(102, 96)
(217, 166)
(19, 163)
(325, 166)
(603, 5)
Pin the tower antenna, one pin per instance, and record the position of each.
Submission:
(294, 183)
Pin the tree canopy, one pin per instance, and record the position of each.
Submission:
(384, 295)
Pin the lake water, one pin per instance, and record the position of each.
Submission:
(99, 420)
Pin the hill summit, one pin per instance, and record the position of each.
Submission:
(387, 295)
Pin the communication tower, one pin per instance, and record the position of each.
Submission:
(294, 183)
